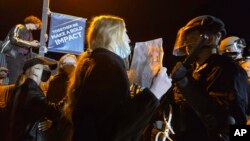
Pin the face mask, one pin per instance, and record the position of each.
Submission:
(123, 52)
(45, 75)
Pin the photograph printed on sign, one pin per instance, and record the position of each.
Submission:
(146, 62)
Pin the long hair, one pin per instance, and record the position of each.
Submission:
(105, 31)
(76, 82)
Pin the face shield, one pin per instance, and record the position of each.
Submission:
(232, 47)
(185, 41)
(180, 44)
(236, 46)
(190, 35)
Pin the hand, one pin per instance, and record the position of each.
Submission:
(35, 43)
(44, 125)
(44, 49)
(178, 72)
(48, 12)
(161, 83)
(46, 37)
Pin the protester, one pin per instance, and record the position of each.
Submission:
(29, 105)
(213, 89)
(99, 102)
(18, 45)
(6, 92)
(57, 89)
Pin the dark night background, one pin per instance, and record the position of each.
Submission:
(145, 19)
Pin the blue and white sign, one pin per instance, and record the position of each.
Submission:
(66, 34)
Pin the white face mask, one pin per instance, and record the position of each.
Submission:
(123, 52)
(36, 73)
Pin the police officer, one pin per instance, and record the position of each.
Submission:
(213, 87)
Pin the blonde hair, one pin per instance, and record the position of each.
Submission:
(104, 31)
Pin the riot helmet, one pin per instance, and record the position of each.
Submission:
(232, 46)
(194, 29)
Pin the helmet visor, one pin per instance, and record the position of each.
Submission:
(241, 43)
(185, 41)
(180, 43)
(236, 46)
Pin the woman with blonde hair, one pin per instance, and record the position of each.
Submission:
(99, 102)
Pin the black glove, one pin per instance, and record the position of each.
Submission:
(178, 72)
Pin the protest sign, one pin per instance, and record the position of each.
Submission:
(146, 62)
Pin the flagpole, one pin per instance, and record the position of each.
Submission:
(45, 11)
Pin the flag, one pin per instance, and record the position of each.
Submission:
(66, 34)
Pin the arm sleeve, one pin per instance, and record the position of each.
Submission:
(218, 109)
(130, 114)
(137, 113)
(16, 39)
(36, 105)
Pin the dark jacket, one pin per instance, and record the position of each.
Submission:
(55, 94)
(105, 110)
(17, 41)
(215, 95)
(58, 87)
(29, 107)
(17, 49)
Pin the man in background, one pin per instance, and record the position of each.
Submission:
(18, 45)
